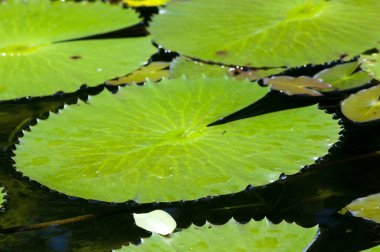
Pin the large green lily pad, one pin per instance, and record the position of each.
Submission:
(35, 60)
(371, 64)
(232, 236)
(152, 143)
(268, 33)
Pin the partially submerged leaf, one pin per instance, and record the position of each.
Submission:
(371, 64)
(343, 77)
(155, 71)
(363, 106)
(367, 207)
(296, 85)
(232, 236)
(157, 221)
(152, 143)
(268, 33)
(39, 54)
(140, 3)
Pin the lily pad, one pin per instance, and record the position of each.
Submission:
(343, 77)
(363, 106)
(371, 64)
(367, 207)
(37, 57)
(152, 143)
(157, 221)
(146, 3)
(232, 236)
(296, 85)
(268, 33)
(2, 197)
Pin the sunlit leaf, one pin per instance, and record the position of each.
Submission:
(140, 3)
(367, 207)
(363, 106)
(157, 221)
(268, 33)
(371, 64)
(232, 236)
(155, 71)
(151, 143)
(36, 54)
(343, 77)
(296, 85)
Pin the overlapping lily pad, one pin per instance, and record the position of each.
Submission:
(363, 106)
(151, 143)
(253, 236)
(268, 33)
(371, 64)
(36, 58)
(367, 207)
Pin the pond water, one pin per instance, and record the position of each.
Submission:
(38, 219)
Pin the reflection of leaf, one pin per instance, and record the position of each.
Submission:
(343, 77)
(268, 33)
(232, 236)
(35, 59)
(152, 143)
(371, 64)
(155, 71)
(2, 196)
(367, 207)
(139, 3)
(363, 106)
(296, 85)
(157, 221)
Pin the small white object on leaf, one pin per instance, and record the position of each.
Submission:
(157, 221)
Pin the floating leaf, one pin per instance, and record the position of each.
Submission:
(157, 221)
(155, 71)
(140, 3)
(152, 143)
(268, 33)
(371, 64)
(253, 236)
(2, 197)
(296, 85)
(37, 59)
(367, 207)
(343, 77)
(363, 106)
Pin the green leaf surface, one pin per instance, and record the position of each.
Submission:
(367, 207)
(157, 221)
(268, 33)
(34, 61)
(2, 197)
(232, 236)
(343, 77)
(371, 64)
(152, 143)
(363, 106)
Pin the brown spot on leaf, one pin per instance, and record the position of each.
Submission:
(75, 57)
(221, 53)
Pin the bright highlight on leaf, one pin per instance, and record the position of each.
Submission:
(157, 221)
(151, 143)
(268, 33)
(296, 85)
(371, 64)
(367, 207)
(363, 106)
(36, 54)
(140, 3)
(343, 77)
(155, 71)
(232, 236)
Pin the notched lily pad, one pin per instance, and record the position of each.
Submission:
(371, 64)
(152, 143)
(2, 197)
(296, 85)
(232, 236)
(363, 106)
(273, 33)
(38, 56)
(367, 207)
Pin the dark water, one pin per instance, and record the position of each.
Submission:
(37, 219)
